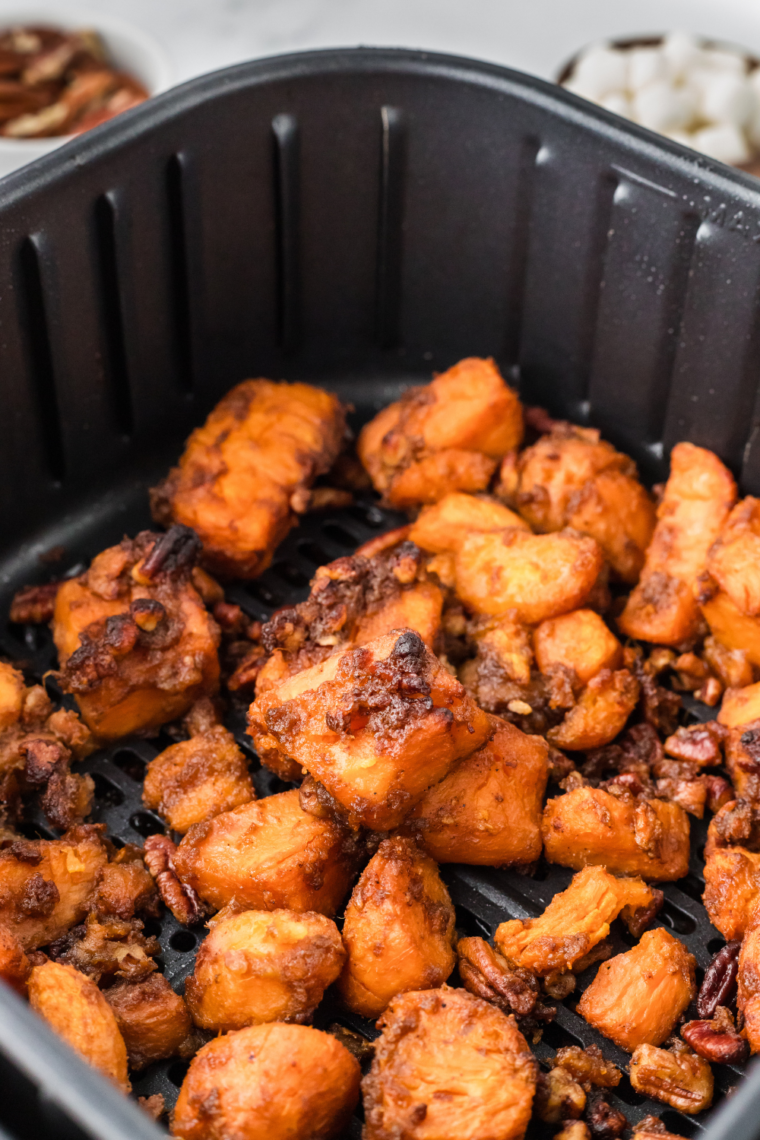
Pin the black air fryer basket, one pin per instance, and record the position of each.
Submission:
(358, 218)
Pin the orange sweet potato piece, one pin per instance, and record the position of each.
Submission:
(153, 1020)
(442, 528)
(538, 575)
(357, 724)
(734, 559)
(695, 505)
(14, 964)
(580, 641)
(732, 873)
(591, 826)
(636, 998)
(75, 1008)
(429, 479)
(619, 513)
(574, 922)
(728, 625)
(748, 996)
(740, 706)
(488, 809)
(244, 475)
(600, 714)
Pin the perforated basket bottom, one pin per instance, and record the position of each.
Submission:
(484, 897)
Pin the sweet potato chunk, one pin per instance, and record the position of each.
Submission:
(198, 779)
(538, 575)
(377, 726)
(15, 967)
(45, 884)
(262, 966)
(636, 998)
(627, 835)
(75, 1008)
(136, 644)
(12, 690)
(279, 1081)
(441, 437)
(269, 855)
(398, 930)
(573, 478)
(443, 528)
(244, 476)
(154, 1021)
(748, 996)
(742, 749)
(698, 497)
(729, 625)
(457, 1056)
(734, 559)
(677, 1077)
(580, 641)
(488, 810)
(740, 706)
(732, 868)
(574, 922)
(600, 714)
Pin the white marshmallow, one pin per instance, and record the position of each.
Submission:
(618, 103)
(752, 127)
(683, 137)
(726, 98)
(719, 60)
(646, 65)
(725, 142)
(754, 80)
(661, 107)
(681, 52)
(599, 72)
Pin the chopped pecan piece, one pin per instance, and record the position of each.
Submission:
(34, 605)
(640, 920)
(558, 1097)
(485, 973)
(699, 744)
(574, 1130)
(180, 898)
(604, 1121)
(716, 1040)
(588, 1066)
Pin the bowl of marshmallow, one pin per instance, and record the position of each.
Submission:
(702, 94)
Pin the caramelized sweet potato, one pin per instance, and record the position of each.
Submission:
(627, 835)
(742, 749)
(245, 475)
(442, 528)
(740, 706)
(75, 1008)
(154, 1021)
(12, 691)
(600, 714)
(261, 966)
(269, 855)
(198, 779)
(695, 505)
(488, 810)
(579, 641)
(728, 625)
(444, 437)
(45, 884)
(136, 644)
(572, 478)
(279, 1081)
(574, 922)
(636, 998)
(677, 1077)
(377, 726)
(732, 869)
(398, 929)
(734, 558)
(748, 996)
(539, 576)
(14, 964)
(448, 1064)
(502, 653)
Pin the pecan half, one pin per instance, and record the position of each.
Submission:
(719, 985)
(486, 974)
(181, 899)
(699, 744)
(558, 1097)
(174, 552)
(717, 1040)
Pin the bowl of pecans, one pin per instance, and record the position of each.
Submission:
(63, 74)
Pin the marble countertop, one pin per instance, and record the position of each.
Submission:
(532, 35)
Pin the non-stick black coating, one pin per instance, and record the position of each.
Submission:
(359, 218)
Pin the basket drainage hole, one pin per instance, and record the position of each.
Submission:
(715, 944)
(692, 886)
(337, 533)
(177, 1072)
(676, 919)
(182, 941)
(673, 1120)
(290, 573)
(314, 552)
(145, 824)
(106, 793)
(130, 764)
(627, 1092)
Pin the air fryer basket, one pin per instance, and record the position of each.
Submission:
(359, 218)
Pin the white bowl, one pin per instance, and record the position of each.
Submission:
(129, 49)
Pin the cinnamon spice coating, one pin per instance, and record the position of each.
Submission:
(245, 476)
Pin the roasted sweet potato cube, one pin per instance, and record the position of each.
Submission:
(418, 607)
(740, 706)
(742, 749)
(269, 855)
(443, 528)
(136, 644)
(467, 412)
(244, 476)
(278, 1081)
(197, 779)
(580, 641)
(153, 1020)
(748, 996)
(591, 826)
(12, 690)
(729, 625)
(539, 576)
(636, 998)
(75, 1008)
(45, 885)
(15, 967)
(678, 1078)
(377, 726)
(600, 714)
(462, 1058)
(695, 505)
(488, 809)
(503, 651)
(574, 922)
(398, 930)
(619, 513)
(732, 887)
(734, 559)
(261, 966)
